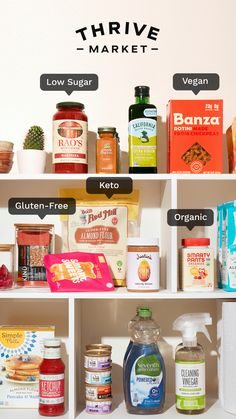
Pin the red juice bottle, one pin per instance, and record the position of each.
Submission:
(51, 380)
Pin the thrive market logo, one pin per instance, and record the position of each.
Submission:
(91, 38)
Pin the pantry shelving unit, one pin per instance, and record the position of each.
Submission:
(82, 318)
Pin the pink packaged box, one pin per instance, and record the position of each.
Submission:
(78, 272)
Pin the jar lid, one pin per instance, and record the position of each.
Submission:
(6, 247)
(34, 226)
(107, 129)
(102, 346)
(203, 241)
(53, 343)
(70, 105)
(97, 352)
(140, 241)
(6, 145)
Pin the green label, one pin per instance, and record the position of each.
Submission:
(143, 142)
(148, 365)
(190, 384)
(190, 403)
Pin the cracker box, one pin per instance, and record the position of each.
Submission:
(21, 353)
(195, 136)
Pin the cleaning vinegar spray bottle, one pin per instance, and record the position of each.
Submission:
(190, 363)
(144, 370)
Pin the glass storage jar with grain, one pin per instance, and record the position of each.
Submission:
(33, 241)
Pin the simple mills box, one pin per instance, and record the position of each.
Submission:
(195, 136)
(21, 353)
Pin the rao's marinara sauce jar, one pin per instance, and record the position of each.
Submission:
(70, 127)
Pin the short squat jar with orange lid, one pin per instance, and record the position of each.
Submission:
(143, 271)
(107, 151)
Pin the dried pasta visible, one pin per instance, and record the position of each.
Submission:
(196, 152)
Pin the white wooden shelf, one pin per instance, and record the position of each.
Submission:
(26, 414)
(213, 411)
(81, 176)
(81, 318)
(119, 293)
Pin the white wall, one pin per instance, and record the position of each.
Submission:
(39, 37)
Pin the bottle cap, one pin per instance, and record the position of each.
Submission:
(144, 312)
(107, 129)
(196, 242)
(70, 105)
(141, 91)
(142, 307)
(52, 343)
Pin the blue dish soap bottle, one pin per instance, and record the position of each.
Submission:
(144, 369)
(130, 327)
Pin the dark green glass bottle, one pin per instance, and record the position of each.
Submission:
(142, 133)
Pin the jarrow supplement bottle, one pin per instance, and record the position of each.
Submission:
(70, 128)
(197, 265)
(142, 133)
(51, 380)
(143, 264)
(107, 151)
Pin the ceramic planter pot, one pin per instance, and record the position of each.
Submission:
(31, 161)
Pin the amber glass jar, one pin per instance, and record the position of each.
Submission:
(107, 151)
(70, 127)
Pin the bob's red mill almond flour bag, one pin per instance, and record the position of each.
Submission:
(100, 225)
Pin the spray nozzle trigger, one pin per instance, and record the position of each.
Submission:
(192, 323)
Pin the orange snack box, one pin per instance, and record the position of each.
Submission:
(195, 136)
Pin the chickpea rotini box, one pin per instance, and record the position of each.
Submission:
(21, 353)
(195, 136)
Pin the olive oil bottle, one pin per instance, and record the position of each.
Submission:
(142, 133)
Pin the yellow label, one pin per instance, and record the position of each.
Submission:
(143, 142)
(12, 339)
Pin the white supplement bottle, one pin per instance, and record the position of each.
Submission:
(197, 265)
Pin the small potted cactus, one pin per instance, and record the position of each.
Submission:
(32, 158)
